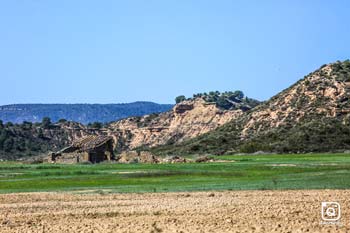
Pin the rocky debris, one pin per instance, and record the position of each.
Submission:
(128, 157)
(148, 157)
(175, 159)
(204, 159)
(137, 157)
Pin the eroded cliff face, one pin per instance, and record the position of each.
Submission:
(320, 94)
(186, 120)
(313, 115)
(323, 94)
(313, 111)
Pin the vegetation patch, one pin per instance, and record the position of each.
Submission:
(249, 172)
(228, 100)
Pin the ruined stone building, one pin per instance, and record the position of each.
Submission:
(92, 149)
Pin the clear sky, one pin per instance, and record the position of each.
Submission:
(100, 51)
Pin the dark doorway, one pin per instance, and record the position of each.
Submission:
(95, 157)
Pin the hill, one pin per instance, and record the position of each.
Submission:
(312, 115)
(31, 139)
(189, 118)
(82, 113)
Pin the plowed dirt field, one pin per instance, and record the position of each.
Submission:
(229, 211)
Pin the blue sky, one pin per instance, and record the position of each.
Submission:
(72, 51)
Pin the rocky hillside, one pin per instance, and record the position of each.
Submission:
(311, 115)
(24, 140)
(188, 119)
(83, 113)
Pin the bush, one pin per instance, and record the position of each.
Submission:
(46, 123)
(8, 145)
(62, 121)
(95, 125)
(180, 99)
(252, 147)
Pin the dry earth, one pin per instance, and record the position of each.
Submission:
(187, 119)
(233, 211)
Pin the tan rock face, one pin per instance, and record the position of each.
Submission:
(319, 93)
(322, 94)
(187, 120)
(137, 157)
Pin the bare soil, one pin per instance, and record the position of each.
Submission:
(229, 211)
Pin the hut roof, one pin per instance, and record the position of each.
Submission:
(91, 142)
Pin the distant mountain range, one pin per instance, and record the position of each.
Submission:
(83, 113)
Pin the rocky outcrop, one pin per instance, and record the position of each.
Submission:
(175, 159)
(320, 94)
(190, 118)
(137, 157)
(187, 120)
(182, 108)
(310, 116)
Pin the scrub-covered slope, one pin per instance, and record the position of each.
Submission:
(188, 119)
(312, 115)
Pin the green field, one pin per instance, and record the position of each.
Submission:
(253, 172)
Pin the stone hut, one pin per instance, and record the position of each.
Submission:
(92, 149)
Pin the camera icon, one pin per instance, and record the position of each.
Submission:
(331, 211)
